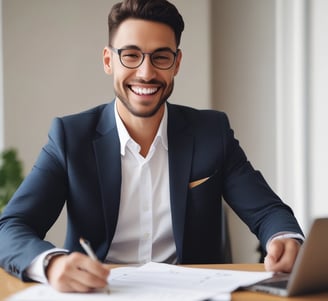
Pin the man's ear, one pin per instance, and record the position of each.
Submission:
(107, 60)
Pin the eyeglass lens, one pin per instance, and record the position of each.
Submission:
(133, 58)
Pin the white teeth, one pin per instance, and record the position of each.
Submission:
(144, 91)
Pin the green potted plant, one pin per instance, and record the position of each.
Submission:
(11, 170)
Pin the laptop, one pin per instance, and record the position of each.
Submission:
(310, 271)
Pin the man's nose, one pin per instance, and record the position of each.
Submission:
(146, 70)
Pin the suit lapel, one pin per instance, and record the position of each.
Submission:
(107, 151)
(180, 141)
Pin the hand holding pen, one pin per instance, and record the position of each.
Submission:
(88, 249)
(76, 272)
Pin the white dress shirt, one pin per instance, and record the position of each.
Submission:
(144, 228)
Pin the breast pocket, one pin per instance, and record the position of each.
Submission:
(206, 190)
(204, 209)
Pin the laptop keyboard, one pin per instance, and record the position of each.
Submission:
(279, 280)
(277, 284)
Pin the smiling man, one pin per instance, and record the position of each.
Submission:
(142, 178)
(143, 58)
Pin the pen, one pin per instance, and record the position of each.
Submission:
(88, 249)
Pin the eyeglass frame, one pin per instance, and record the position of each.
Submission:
(118, 51)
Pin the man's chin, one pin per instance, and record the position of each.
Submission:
(143, 111)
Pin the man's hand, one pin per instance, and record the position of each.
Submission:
(77, 273)
(281, 255)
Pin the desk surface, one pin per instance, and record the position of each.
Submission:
(10, 285)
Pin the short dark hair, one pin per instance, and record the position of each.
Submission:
(153, 10)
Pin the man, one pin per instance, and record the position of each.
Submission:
(142, 178)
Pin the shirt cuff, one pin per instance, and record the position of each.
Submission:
(282, 235)
(36, 271)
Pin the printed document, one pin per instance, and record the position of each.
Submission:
(156, 281)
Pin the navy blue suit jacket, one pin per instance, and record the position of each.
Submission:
(81, 165)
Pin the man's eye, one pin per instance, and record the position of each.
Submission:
(161, 57)
(130, 55)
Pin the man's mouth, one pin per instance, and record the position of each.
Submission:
(143, 91)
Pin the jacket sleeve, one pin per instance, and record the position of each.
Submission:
(250, 196)
(34, 207)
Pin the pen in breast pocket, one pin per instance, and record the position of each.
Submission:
(88, 249)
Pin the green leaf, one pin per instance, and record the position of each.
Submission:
(11, 175)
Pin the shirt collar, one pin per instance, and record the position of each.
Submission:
(125, 137)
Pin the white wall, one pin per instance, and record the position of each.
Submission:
(318, 110)
(291, 118)
(193, 83)
(52, 66)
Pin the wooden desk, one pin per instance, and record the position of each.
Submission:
(10, 285)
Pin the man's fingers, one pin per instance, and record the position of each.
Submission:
(77, 273)
(93, 267)
(281, 256)
(276, 249)
(93, 278)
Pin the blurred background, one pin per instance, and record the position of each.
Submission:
(263, 62)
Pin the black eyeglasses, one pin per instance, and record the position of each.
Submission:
(133, 57)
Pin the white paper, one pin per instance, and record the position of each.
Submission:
(156, 281)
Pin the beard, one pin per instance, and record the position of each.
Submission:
(147, 114)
